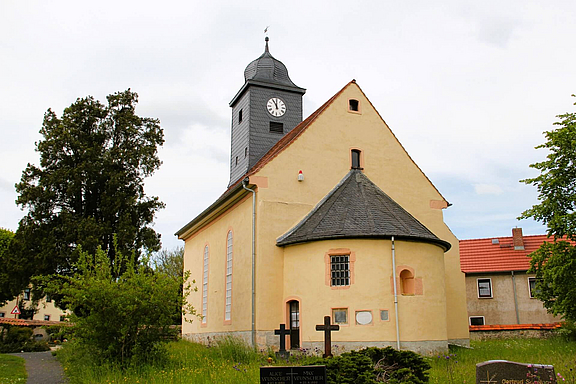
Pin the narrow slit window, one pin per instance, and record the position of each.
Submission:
(236, 160)
(356, 159)
(246, 152)
(240, 117)
(276, 127)
(354, 105)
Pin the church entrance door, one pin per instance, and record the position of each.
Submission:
(294, 308)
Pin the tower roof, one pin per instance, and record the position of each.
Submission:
(268, 69)
(357, 208)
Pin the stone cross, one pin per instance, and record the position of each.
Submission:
(282, 332)
(327, 328)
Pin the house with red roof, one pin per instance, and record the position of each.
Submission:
(499, 290)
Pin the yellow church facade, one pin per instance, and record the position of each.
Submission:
(334, 219)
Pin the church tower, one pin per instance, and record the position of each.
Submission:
(268, 106)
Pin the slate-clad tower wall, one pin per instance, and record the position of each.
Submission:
(258, 130)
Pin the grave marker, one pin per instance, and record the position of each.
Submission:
(282, 332)
(307, 374)
(327, 328)
(509, 372)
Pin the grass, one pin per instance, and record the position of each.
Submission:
(12, 370)
(230, 361)
(459, 366)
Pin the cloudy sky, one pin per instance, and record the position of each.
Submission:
(468, 87)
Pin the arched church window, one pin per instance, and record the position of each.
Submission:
(406, 282)
(205, 286)
(228, 312)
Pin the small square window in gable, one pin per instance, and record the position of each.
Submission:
(354, 106)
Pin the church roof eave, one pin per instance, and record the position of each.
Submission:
(362, 236)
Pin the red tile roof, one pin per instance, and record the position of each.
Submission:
(513, 327)
(482, 255)
(30, 323)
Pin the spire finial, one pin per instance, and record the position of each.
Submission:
(266, 38)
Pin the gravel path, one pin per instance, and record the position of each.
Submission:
(42, 368)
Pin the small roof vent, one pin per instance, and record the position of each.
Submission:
(495, 241)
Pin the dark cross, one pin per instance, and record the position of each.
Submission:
(327, 328)
(282, 332)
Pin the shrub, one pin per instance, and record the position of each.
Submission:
(121, 311)
(17, 339)
(374, 365)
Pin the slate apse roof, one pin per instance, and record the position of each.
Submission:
(497, 254)
(357, 208)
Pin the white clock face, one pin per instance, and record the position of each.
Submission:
(276, 107)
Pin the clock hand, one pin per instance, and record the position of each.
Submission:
(275, 103)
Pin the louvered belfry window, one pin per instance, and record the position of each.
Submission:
(340, 270)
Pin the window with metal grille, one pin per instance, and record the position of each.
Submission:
(340, 270)
(228, 312)
(205, 286)
(476, 320)
(276, 127)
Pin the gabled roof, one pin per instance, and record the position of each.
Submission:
(280, 146)
(357, 208)
(497, 254)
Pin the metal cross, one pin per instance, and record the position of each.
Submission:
(488, 379)
(327, 328)
(282, 332)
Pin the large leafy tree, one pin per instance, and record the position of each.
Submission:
(555, 263)
(89, 187)
(6, 289)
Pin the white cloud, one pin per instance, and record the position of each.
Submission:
(488, 189)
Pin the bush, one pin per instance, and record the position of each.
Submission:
(121, 311)
(17, 339)
(373, 365)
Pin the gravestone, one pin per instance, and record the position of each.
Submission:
(327, 328)
(307, 374)
(509, 372)
(282, 332)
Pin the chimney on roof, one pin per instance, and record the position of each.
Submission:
(517, 239)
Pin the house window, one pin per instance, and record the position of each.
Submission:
(384, 315)
(406, 282)
(46, 317)
(228, 311)
(276, 127)
(363, 317)
(340, 315)
(476, 320)
(2, 314)
(353, 105)
(340, 270)
(205, 286)
(27, 294)
(355, 154)
(532, 286)
(485, 288)
(240, 117)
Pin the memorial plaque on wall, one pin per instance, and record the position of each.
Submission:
(509, 372)
(308, 374)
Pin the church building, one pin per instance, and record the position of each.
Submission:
(327, 216)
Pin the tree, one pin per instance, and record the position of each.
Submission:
(89, 187)
(7, 290)
(171, 264)
(555, 263)
(122, 311)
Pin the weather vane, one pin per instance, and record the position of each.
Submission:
(266, 31)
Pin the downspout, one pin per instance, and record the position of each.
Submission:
(395, 295)
(244, 182)
(515, 298)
